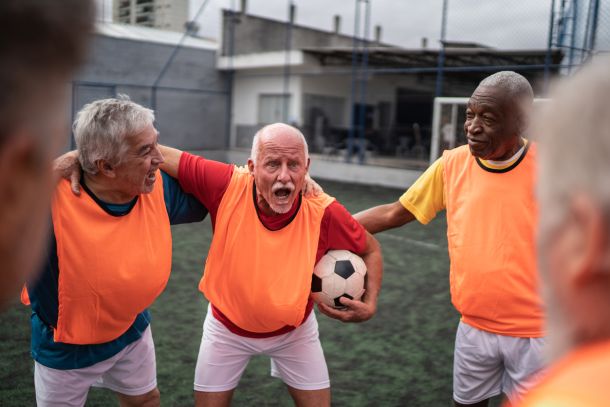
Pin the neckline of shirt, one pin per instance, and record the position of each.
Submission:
(500, 165)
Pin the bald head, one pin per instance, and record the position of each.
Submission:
(275, 130)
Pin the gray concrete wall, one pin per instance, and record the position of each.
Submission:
(254, 34)
(191, 105)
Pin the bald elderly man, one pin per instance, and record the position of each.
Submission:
(486, 188)
(257, 278)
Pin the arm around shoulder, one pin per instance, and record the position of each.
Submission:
(384, 217)
(171, 160)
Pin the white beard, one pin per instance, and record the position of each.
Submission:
(281, 209)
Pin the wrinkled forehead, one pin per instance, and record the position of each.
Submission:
(146, 135)
(489, 98)
(282, 145)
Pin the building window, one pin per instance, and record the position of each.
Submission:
(271, 108)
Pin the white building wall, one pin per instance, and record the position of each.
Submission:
(250, 84)
(378, 89)
(171, 14)
(164, 14)
(246, 91)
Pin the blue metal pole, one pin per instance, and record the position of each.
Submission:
(352, 106)
(441, 54)
(364, 79)
(288, 46)
(594, 25)
(573, 33)
(586, 37)
(230, 77)
(547, 58)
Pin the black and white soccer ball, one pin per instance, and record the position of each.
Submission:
(339, 273)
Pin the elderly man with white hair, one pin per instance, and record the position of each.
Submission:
(486, 188)
(574, 240)
(267, 239)
(109, 258)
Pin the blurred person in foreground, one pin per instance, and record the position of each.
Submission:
(487, 190)
(41, 43)
(574, 241)
(109, 258)
(267, 238)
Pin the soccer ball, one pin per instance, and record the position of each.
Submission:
(339, 273)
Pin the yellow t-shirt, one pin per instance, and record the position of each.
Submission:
(425, 198)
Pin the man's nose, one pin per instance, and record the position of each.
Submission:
(158, 156)
(284, 175)
(473, 126)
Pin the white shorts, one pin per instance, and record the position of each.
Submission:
(487, 364)
(296, 357)
(132, 371)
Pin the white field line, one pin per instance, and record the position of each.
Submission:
(426, 245)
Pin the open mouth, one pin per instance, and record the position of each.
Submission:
(151, 177)
(282, 193)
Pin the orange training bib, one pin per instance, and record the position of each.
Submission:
(111, 268)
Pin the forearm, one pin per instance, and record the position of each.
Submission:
(171, 157)
(384, 217)
(374, 263)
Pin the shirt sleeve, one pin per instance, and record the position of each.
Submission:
(340, 231)
(181, 207)
(207, 180)
(426, 197)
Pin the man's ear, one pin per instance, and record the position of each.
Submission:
(105, 168)
(251, 166)
(589, 243)
(308, 162)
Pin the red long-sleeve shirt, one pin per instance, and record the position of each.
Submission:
(208, 180)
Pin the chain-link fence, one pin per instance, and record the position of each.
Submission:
(356, 96)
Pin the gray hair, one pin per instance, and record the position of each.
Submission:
(102, 127)
(516, 88)
(514, 84)
(575, 143)
(274, 128)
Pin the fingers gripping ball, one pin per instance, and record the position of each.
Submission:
(339, 273)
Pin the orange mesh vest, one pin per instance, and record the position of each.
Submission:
(111, 268)
(491, 218)
(258, 278)
(579, 380)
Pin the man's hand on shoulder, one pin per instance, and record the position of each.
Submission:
(311, 188)
(68, 167)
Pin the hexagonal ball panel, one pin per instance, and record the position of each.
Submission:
(333, 285)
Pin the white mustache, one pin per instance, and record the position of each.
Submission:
(279, 185)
